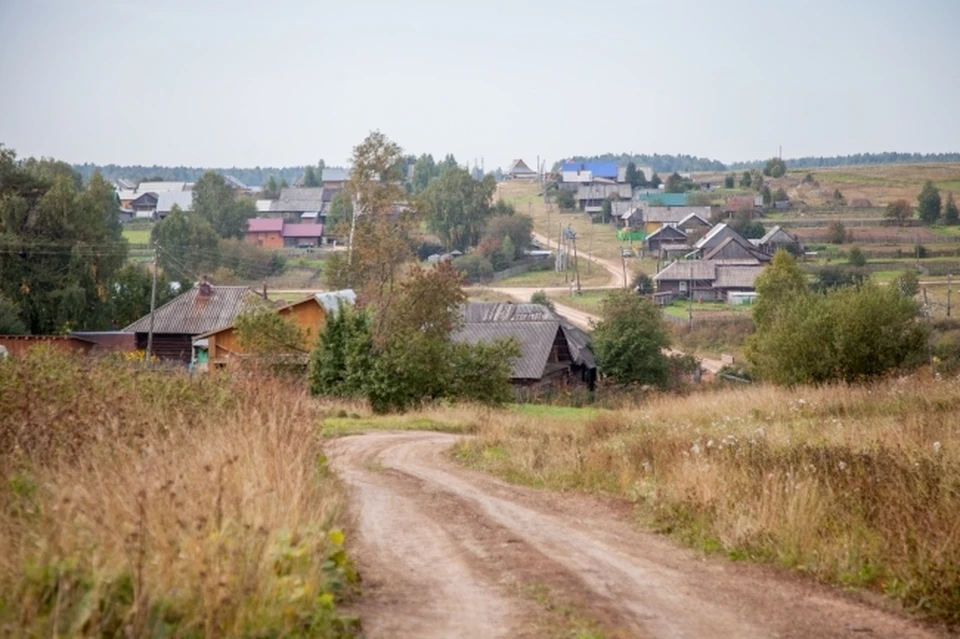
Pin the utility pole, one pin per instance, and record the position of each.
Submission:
(690, 305)
(623, 263)
(153, 306)
(949, 291)
(576, 263)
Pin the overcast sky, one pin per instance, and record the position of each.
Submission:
(238, 83)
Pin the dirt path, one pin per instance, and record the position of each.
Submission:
(446, 552)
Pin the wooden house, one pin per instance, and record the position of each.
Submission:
(219, 347)
(665, 235)
(553, 351)
(202, 309)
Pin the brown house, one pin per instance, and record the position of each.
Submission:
(705, 279)
(202, 309)
(217, 348)
(665, 235)
(265, 232)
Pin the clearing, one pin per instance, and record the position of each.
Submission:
(449, 552)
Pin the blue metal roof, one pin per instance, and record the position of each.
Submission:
(599, 169)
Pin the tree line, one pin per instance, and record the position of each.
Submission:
(657, 162)
(887, 157)
(256, 176)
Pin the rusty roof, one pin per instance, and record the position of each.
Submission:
(193, 313)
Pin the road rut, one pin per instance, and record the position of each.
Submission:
(446, 552)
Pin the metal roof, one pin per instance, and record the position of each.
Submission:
(160, 187)
(778, 230)
(193, 313)
(519, 167)
(299, 200)
(303, 230)
(737, 276)
(264, 225)
(688, 270)
(664, 231)
(167, 199)
(330, 300)
(599, 169)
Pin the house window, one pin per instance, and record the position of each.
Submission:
(683, 286)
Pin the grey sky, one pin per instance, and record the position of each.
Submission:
(239, 83)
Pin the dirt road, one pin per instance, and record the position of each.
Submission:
(446, 552)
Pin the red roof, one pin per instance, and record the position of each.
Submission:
(264, 225)
(303, 230)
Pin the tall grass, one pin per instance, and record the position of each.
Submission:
(857, 486)
(154, 504)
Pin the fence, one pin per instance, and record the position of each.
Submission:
(519, 269)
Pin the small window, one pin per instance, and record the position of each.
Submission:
(683, 286)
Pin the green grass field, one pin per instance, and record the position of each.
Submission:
(549, 279)
(588, 301)
(137, 236)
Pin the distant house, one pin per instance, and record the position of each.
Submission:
(265, 232)
(553, 351)
(693, 223)
(219, 347)
(166, 200)
(144, 206)
(661, 198)
(655, 217)
(665, 235)
(334, 178)
(520, 171)
(596, 170)
(294, 203)
(722, 242)
(705, 279)
(590, 197)
(121, 184)
(777, 238)
(238, 187)
(201, 309)
(302, 234)
(160, 187)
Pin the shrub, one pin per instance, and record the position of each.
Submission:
(836, 232)
(474, 268)
(540, 297)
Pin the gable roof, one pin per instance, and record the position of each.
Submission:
(688, 270)
(606, 170)
(193, 313)
(674, 214)
(167, 199)
(235, 183)
(535, 328)
(737, 276)
(300, 200)
(519, 167)
(779, 234)
(733, 248)
(330, 300)
(667, 233)
(265, 225)
(693, 217)
(159, 187)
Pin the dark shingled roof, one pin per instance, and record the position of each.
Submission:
(194, 314)
(535, 328)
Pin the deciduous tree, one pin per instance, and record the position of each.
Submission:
(899, 211)
(458, 207)
(629, 341)
(775, 168)
(951, 215)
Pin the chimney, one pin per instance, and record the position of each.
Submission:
(203, 288)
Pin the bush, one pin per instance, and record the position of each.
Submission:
(836, 232)
(540, 297)
(856, 257)
(474, 267)
(848, 333)
(564, 199)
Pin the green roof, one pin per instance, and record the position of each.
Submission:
(664, 199)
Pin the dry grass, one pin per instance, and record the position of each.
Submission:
(154, 504)
(857, 486)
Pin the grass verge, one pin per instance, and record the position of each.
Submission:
(857, 486)
(153, 504)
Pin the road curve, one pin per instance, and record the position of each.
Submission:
(444, 552)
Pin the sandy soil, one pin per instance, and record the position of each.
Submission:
(445, 552)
